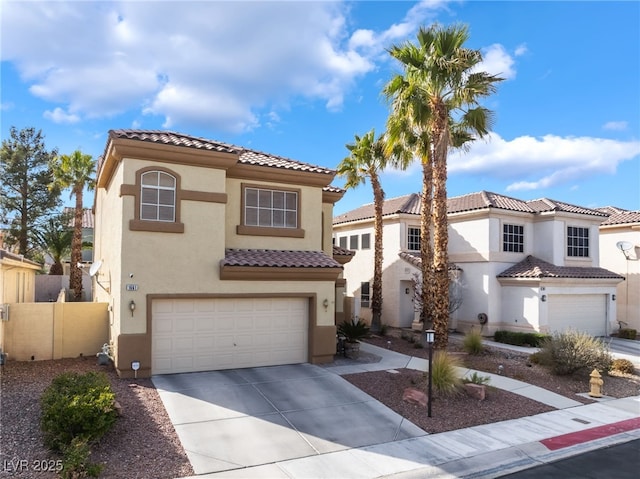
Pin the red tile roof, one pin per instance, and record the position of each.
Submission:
(532, 267)
(278, 258)
(337, 251)
(410, 204)
(87, 216)
(246, 156)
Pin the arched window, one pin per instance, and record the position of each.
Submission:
(157, 196)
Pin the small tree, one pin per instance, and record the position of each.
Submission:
(54, 238)
(26, 198)
(456, 293)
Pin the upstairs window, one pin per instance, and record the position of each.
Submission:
(353, 242)
(343, 242)
(577, 242)
(158, 196)
(513, 238)
(413, 239)
(270, 208)
(365, 241)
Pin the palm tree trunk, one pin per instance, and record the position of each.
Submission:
(440, 236)
(75, 277)
(426, 250)
(376, 296)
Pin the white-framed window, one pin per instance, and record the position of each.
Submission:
(157, 196)
(353, 242)
(342, 242)
(365, 241)
(577, 241)
(413, 239)
(365, 296)
(513, 238)
(270, 208)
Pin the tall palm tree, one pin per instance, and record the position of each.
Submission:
(440, 90)
(75, 171)
(367, 159)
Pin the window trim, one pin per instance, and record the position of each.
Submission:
(570, 247)
(139, 224)
(409, 228)
(505, 242)
(363, 303)
(244, 229)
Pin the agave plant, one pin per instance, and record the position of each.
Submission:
(353, 330)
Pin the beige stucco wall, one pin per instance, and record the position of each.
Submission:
(42, 331)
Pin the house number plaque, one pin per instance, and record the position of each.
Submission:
(132, 287)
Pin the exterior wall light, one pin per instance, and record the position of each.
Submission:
(543, 298)
(325, 303)
(613, 297)
(132, 306)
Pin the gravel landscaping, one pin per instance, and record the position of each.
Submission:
(144, 445)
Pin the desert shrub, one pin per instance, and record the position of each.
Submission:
(444, 377)
(354, 330)
(623, 366)
(476, 378)
(627, 333)
(384, 329)
(77, 406)
(472, 342)
(574, 352)
(76, 460)
(518, 338)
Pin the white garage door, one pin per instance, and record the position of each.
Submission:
(582, 312)
(224, 333)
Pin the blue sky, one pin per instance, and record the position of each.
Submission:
(300, 79)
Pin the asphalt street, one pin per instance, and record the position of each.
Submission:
(620, 462)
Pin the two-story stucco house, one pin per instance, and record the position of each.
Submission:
(213, 256)
(524, 265)
(620, 252)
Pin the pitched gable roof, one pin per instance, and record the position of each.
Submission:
(532, 267)
(618, 216)
(246, 156)
(410, 204)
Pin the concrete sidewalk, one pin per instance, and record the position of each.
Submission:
(486, 451)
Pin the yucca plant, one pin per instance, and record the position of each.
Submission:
(353, 330)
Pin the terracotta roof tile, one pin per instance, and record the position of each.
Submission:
(337, 251)
(173, 138)
(621, 217)
(414, 258)
(408, 204)
(87, 216)
(252, 157)
(278, 258)
(545, 204)
(532, 267)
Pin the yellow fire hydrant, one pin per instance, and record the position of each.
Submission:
(596, 383)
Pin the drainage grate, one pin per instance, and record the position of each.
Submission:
(582, 421)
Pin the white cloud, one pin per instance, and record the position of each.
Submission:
(192, 63)
(58, 115)
(615, 125)
(497, 61)
(529, 163)
(520, 50)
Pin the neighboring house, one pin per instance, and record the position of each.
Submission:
(87, 233)
(213, 256)
(17, 278)
(620, 252)
(524, 265)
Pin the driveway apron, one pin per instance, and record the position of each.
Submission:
(247, 417)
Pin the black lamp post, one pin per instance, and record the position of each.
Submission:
(430, 336)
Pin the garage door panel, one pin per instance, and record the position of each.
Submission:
(581, 312)
(224, 333)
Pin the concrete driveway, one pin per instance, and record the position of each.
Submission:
(246, 417)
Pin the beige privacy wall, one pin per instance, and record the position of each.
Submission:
(40, 331)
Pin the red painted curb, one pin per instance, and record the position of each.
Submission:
(579, 437)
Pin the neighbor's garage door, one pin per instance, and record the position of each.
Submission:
(582, 312)
(223, 333)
